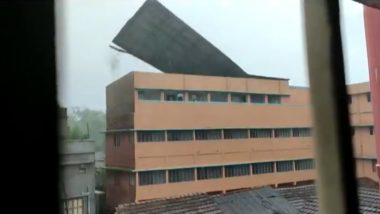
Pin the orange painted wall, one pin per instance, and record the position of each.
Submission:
(125, 111)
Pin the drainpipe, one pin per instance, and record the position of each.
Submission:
(372, 31)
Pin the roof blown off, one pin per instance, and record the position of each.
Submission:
(156, 36)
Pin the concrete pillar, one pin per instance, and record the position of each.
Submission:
(167, 176)
(162, 95)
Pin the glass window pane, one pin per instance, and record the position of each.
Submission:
(150, 136)
(274, 99)
(148, 94)
(262, 168)
(152, 177)
(178, 96)
(235, 133)
(209, 173)
(257, 98)
(284, 166)
(181, 175)
(218, 97)
(280, 133)
(208, 134)
(198, 96)
(237, 170)
(261, 133)
(180, 135)
(238, 98)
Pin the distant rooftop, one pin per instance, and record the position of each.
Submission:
(304, 199)
(266, 200)
(155, 35)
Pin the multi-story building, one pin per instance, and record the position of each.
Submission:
(77, 172)
(174, 134)
(360, 105)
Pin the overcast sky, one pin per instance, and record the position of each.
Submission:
(262, 37)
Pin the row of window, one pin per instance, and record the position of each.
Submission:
(368, 95)
(204, 96)
(217, 134)
(205, 173)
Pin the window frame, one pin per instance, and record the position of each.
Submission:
(212, 99)
(139, 91)
(265, 166)
(279, 166)
(140, 132)
(232, 94)
(151, 180)
(190, 93)
(252, 98)
(174, 93)
(271, 96)
(170, 138)
(208, 175)
(197, 134)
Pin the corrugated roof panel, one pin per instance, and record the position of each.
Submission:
(156, 36)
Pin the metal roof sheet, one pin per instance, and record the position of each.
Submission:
(156, 36)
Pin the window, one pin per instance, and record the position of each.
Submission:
(82, 169)
(284, 166)
(180, 135)
(235, 133)
(209, 172)
(218, 97)
(262, 168)
(152, 177)
(261, 133)
(237, 170)
(238, 98)
(116, 140)
(149, 94)
(274, 99)
(371, 130)
(208, 134)
(257, 98)
(304, 164)
(150, 136)
(178, 96)
(301, 132)
(198, 96)
(349, 97)
(282, 132)
(369, 97)
(180, 175)
(76, 206)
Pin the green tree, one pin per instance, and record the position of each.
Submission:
(86, 123)
(76, 133)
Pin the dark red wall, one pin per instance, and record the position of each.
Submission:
(372, 30)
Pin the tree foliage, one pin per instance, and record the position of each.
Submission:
(80, 118)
